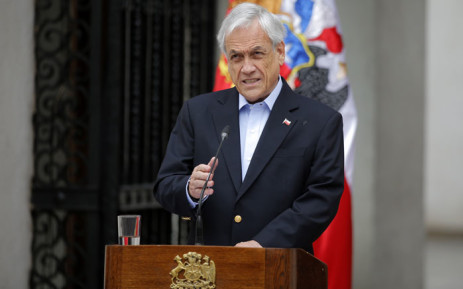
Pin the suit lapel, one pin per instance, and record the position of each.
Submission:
(225, 112)
(272, 136)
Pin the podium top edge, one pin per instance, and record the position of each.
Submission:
(191, 247)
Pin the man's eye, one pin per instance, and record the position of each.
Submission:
(234, 57)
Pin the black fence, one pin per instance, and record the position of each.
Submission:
(111, 77)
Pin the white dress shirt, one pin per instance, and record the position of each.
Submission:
(253, 118)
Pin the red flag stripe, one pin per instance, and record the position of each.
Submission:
(334, 247)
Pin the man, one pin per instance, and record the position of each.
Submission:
(279, 176)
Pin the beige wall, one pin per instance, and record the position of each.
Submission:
(16, 102)
(444, 122)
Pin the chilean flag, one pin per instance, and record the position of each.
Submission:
(315, 66)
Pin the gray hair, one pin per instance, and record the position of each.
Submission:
(244, 15)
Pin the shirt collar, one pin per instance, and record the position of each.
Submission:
(269, 100)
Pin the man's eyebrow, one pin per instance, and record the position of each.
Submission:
(258, 48)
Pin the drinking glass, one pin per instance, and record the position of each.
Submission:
(129, 229)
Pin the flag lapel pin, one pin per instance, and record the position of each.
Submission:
(287, 122)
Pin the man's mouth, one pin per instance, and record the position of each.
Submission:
(250, 81)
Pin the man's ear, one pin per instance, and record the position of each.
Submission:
(280, 50)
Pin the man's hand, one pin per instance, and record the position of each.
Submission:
(249, 244)
(199, 176)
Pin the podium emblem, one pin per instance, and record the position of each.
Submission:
(193, 271)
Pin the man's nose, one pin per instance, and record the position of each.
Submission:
(248, 66)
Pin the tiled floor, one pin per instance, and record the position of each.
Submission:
(444, 262)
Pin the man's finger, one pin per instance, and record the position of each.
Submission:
(215, 165)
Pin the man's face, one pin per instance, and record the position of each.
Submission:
(252, 63)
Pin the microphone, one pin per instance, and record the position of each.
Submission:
(199, 219)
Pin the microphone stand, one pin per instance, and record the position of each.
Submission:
(199, 220)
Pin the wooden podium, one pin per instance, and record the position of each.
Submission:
(157, 266)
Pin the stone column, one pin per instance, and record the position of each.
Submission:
(16, 104)
(399, 219)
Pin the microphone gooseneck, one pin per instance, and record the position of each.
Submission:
(199, 219)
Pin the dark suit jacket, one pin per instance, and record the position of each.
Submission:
(294, 182)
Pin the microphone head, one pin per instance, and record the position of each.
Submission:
(225, 131)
